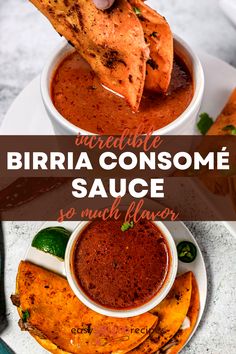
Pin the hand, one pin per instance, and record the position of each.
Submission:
(103, 4)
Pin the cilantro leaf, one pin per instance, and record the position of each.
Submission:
(137, 11)
(204, 123)
(230, 128)
(25, 315)
(127, 225)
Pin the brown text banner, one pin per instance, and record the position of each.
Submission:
(86, 177)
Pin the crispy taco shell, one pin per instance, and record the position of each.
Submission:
(54, 311)
(159, 37)
(171, 313)
(182, 336)
(226, 118)
(111, 41)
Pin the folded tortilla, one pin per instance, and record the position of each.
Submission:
(171, 313)
(55, 316)
(226, 119)
(159, 37)
(181, 337)
(111, 41)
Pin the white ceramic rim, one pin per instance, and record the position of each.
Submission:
(130, 312)
(64, 48)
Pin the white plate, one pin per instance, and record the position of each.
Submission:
(27, 115)
(178, 230)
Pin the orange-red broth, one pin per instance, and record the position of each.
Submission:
(83, 101)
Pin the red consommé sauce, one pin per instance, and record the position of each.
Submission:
(82, 100)
(121, 270)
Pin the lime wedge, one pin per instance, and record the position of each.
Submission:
(52, 240)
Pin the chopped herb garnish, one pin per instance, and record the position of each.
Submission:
(230, 128)
(25, 315)
(127, 225)
(154, 34)
(204, 123)
(137, 11)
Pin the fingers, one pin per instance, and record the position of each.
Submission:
(103, 4)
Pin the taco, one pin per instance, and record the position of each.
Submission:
(171, 313)
(111, 41)
(181, 337)
(225, 124)
(54, 316)
(159, 38)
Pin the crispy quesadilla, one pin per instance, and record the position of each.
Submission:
(225, 124)
(54, 316)
(117, 43)
(111, 41)
(159, 37)
(181, 337)
(171, 313)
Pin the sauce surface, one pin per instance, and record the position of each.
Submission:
(80, 98)
(121, 270)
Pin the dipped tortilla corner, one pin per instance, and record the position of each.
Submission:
(111, 41)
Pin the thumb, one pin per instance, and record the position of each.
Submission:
(103, 4)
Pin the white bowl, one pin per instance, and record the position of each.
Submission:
(121, 313)
(184, 124)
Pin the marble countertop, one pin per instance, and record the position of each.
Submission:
(26, 40)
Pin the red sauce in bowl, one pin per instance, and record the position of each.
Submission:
(121, 270)
(79, 97)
